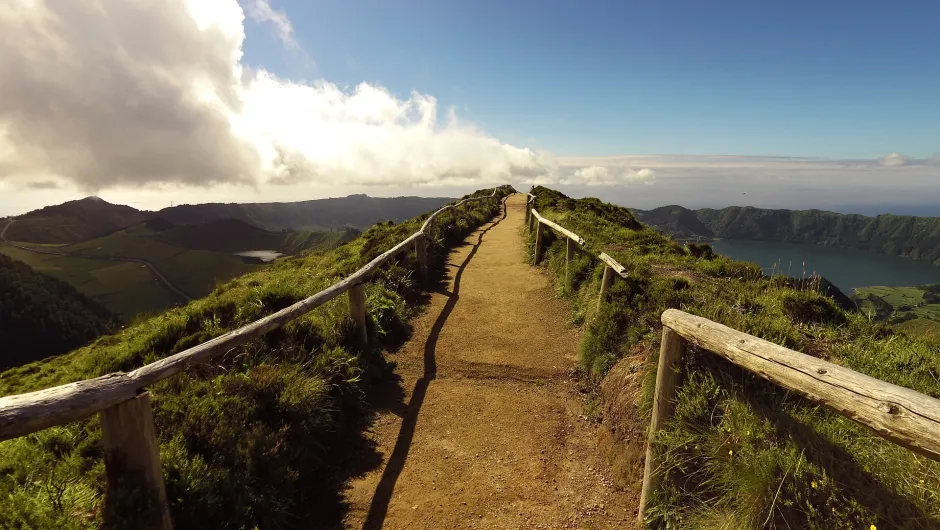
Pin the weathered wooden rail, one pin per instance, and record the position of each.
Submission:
(898, 414)
(572, 241)
(129, 440)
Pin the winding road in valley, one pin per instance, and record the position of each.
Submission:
(153, 270)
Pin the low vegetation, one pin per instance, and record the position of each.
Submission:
(912, 310)
(41, 316)
(261, 438)
(742, 453)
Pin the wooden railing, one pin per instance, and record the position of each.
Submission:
(130, 444)
(899, 414)
(572, 241)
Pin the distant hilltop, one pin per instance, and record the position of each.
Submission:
(898, 235)
(91, 217)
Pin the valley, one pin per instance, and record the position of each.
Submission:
(139, 263)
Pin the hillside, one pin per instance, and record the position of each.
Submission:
(898, 235)
(73, 221)
(357, 211)
(41, 316)
(193, 259)
(233, 235)
(740, 453)
(265, 436)
(912, 310)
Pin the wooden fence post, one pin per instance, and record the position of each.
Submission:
(357, 311)
(132, 465)
(539, 229)
(605, 283)
(421, 251)
(569, 255)
(664, 404)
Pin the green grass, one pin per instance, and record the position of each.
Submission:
(921, 327)
(263, 437)
(133, 293)
(741, 453)
(911, 310)
(896, 296)
(128, 289)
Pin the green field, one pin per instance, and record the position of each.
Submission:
(194, 259)
(903, 307)
(128, 289)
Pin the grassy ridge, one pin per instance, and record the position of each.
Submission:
(73, 221)
(41, 316)
(896, 235)
(742, 453)
(254, 439)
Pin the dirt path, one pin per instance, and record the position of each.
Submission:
(492, 435)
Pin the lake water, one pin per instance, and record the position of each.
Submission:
(263, 255)
(847, 268)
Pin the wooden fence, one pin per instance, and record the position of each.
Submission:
(898, 414)
(129, 440)
(538, 223)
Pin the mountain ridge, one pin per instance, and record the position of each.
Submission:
(91, 217)
(898, 235)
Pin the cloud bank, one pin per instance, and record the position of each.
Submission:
(773, 182)
(119, 93)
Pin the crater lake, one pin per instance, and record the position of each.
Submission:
(846, 268)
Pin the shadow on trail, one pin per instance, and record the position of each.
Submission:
(383, 492)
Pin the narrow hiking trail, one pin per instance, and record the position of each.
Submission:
(491, 434)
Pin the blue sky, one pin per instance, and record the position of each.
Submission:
(825, 104)
(797, 78)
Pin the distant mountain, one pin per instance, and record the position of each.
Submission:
(898, 235)
(675, 220)
(91, 217)
(73, 221)
(41, 316)
(357, 211)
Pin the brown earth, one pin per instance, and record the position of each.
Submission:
(493, 433)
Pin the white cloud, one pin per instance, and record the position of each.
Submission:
(894, 160)
(261, 11)
(603, 175)
(115, 93)
(646, 174)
